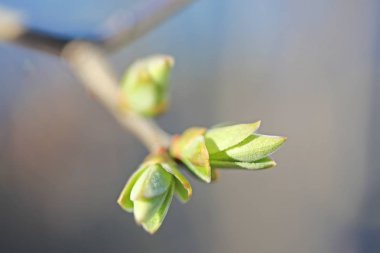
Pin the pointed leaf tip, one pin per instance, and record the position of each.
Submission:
(251, 149)
(153, 224)
(219, 139)
(183, 188)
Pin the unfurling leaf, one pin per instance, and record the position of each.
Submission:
(235, 146)
(148, 193)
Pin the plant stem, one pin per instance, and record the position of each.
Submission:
(119, 30)
(89, 64)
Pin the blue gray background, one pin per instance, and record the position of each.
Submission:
(308, 69)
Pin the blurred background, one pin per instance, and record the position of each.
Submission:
(308, 69)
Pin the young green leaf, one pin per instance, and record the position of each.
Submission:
(195, 156)
(124, 199)
(153, 182)
(263, 163)
(219, 139)
(153, 224)
(144, 209)
(251, 149)
(182, 186)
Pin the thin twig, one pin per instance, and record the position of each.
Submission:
(118, 31)
(89, 64)
(125, 27)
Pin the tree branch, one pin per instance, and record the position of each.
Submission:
(119, 30)
(124, 28)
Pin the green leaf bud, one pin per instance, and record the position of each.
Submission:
(144, 87)
(149, 191)
(233, 146)
(191, 149)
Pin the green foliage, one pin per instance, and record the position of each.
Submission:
(149, 191)
(233, 146)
